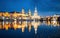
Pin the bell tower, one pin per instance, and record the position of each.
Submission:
(29, 12)
(35, 12)
(23, 11)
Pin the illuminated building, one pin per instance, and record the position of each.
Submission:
(29, 12)
(35, 16)
(1, 14)
(29, 17)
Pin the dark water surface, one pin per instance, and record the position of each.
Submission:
(43, 31)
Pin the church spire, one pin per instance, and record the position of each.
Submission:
(22, 10)
(29, 12)
(35, 12)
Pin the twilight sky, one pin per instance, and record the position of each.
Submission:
(44, 7)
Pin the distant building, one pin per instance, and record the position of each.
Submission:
(35, 16)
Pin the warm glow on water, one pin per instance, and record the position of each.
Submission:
(34, 29)
(24, 24)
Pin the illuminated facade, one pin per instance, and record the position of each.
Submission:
(26, 16)
(35, 16)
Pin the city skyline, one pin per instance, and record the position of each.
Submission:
(35, 9)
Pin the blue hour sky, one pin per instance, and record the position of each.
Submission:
(44, 7)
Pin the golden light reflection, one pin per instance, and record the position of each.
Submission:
(53, 23)
(6, 25)
(24, 24)
(0, 26)
(35, 25)
(29, 26)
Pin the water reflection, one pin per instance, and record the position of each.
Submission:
(53, 23)
(26, 24)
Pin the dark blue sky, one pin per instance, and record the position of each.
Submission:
(45, 7)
